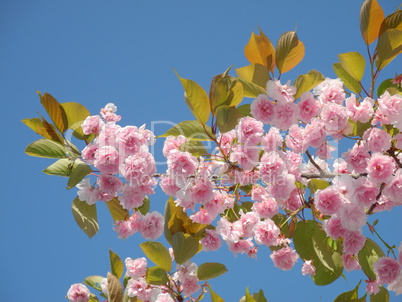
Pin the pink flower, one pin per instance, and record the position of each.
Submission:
(132, 197)
(330, 91)
(333, 227)
(138, 288)
(372, 287)
(107, 160)
(398, 140)
(380, 168)
(266, 208)
(229, 232)
(139, 168)
(308, 268)
(359, 111)
(109, 184)
(386, 269)
(266, 232)
(296, 139)
(202, 217)
(262, 109)
(211, 241)
(241, 246)
(89, 152)
(249, 131)
(353, 242)
(173, 143)
(294, 202)
(200, 190)
(86, 191)
(136, 268)
(283, 186)
(353, 216)
(391, 107)
(272, 166)
(285, 258)
(281, 93)
(219, 203)
(190, 285)
(181, 164)
(107, 136)
(315, 133)
(350, 262)
(129, 140)
(396, 286)
(123, 229)
(164, 298)
(394, 188)
(272, 140)
(92, 124)
(308, 107)
(246, 156)
(377, 140)
(108, 113)
(152, 225)
(168, 186)
(356, 158)
(78, 293)
(328, 201)
(365, 192)
(285, 115)
(247, 222)
(334, 117)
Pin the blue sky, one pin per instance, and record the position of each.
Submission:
(95, 52)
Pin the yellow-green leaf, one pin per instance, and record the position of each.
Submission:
(196, 99)
(371, 17)
(393, 21)
(79, 171)
(114, 288)
(94, 282)
(251, 90)
(353, 63)
(227, 118)
(210, 270)
(156, 276)
(214, 296)
(116, 265)
(368, 255)
(259, 50)
(254, 73)
(86, 217)
(192, 130)
(196, 148)
(184, 247)
(306, 82)
(289, 51)
(76, 114)
(388, 47)
(116, 210)
(46, 148)
(227, 91)
(351, 83)
(158, 254)
(55, 111)
(382, 296)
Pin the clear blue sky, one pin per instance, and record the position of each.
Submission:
(95, 52)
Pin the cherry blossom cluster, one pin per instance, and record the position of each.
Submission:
(125, 168)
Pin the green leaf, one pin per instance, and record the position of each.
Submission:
(351, 83)
(385, 85)
(42, 128)
(227, 118)
(368, 255)
(393, 21)
(303, 238)
(76, 114)
(114, 288)
(244, 110)
(62, 167)
(306, 82)
(86, 217)
(260, 297)
(158, 254)
(251, 90)
(94, 282)
(353, 63)
(156, 276)
(382, 296)
(254, 73)
(116, 265)
(289, 51)
(214, 296)
(46, 148)
(196, 99)
(184, 247)
(348, 296)
(93, 298)
(79, 171)
(388, 47)
(196, 148)
(371, 17)
(55, 111)
(210, 270)
(317, 184)
(116, 210)
(144, 208)
(192, 130)
(259, 50)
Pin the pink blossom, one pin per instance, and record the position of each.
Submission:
(108, 113)
(249, 131)
(391, 107)
(107, 160)
(328, 201)
(109, 184)
(386, 269)
(226, 141)
(359, 111)
(333, 227)
(181, 164)
(294, 202)
(247, 222)
(396, 286)
(92, 125)
(296, 139)
(262, 109)
(138, 288)
(123, 229)
(330, 91)
(353, 216)
(334, 117)
(272, 140)
(350, 262)
(136, 268)
(283, 186)
(280, 93)
(272, 166)
(190, 285)
(308, 107)
(229, 232)
(372, 287)
(164, 298)
(129, 140)
(132, 197)
(246, 156)
(377, 139)
(398, 140)
(400, 254)
(308, 268)
(357, 158)
(168, 186)
(341, 166)
(380, 168)
(104, 286)
(324, 151)
(394, 188)
(107, 136)
(202, 217)
(139, 168)
(86, 191)
(173, 143)
(266, 208)
(78, 293)
(315, 133)
(152, 225)
(200, 190)
(89, 153)
(211, 241)
(241, 246)
(285, 115)
(266, 232)
(259, 193)
(365, 192)
(285, 258)
(353, 242)
(219, 203)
